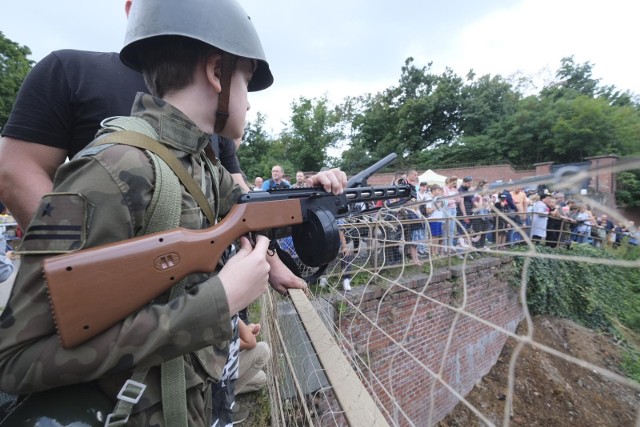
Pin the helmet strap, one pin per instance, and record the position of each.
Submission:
(228, 64)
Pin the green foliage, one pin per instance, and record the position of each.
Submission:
(253, 154)
(421, 111)
(599, 296)
(313, 130)
(14, 66)
(631, 364)
(572, 80)
(593, 294)
(628, 189)
(485, 120)
(485, 101)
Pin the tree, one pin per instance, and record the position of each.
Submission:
(314, 128)
(14, 66)
(485, 102)
(255, 153)
(628, 189)
(571, 81)
(582, 129)
(423, 110)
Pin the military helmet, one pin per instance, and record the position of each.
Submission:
(220, 23)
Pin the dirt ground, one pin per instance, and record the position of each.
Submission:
(550, 391)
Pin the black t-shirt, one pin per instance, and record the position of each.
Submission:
(225, 150)
(68, 93)
(467, 199)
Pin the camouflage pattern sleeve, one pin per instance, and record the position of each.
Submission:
(97, 200)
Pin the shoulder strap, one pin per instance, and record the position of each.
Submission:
(136, 139)
(163, 213)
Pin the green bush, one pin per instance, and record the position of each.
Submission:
(597, 295)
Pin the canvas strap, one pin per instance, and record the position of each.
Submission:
(136, 139)
(163, 213)
(228, 64)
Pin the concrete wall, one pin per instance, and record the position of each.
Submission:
(403, 336)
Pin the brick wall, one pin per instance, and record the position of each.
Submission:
(489, 173)
(403, 380)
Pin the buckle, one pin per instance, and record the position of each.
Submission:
(109, 421)
(135, 397)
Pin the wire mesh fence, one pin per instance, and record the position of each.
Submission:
(416, 302)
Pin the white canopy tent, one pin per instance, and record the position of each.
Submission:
(431, 177)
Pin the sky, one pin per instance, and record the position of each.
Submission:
(353, 47)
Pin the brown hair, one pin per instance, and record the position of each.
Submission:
(168, 63)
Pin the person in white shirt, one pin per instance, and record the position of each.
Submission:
(257, 183)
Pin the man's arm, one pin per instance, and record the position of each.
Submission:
(26, 174)
(238, 179)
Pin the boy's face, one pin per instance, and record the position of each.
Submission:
(238, 101)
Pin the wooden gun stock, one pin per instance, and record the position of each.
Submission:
(93, 289)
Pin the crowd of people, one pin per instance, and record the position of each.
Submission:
(464, 215)
(560, 221)
(278, 181)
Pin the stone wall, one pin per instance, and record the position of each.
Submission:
(409, 333)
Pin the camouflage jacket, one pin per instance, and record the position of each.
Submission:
(101, 197)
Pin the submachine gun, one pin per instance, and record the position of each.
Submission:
(92, 289)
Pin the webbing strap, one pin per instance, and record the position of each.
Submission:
(174, 387)
(228, 64)
(139, 140)
(128, 396)
(162, 213)
(164, 210)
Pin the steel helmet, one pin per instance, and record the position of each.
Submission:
(220, 23)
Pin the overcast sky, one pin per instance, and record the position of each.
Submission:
(351, 47)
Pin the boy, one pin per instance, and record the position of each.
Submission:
(435, 213)
(199, 58)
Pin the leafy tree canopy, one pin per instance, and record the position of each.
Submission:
(14, 66)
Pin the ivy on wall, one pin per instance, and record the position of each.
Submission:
(597, 295)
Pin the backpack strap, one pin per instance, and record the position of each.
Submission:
(164, 210)
(136, 139)
(162, 213)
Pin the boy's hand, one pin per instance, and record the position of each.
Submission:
(332, 180)
(281, 278)
(255, 328)
(246, 274)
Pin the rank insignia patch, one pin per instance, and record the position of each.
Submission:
(59, 226)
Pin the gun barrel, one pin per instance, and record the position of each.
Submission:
(359, 179)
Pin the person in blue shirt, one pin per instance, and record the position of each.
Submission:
(276, 181)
